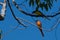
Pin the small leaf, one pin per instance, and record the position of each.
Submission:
(41, 5)
(37, 2)
(46, 7)
(50, 6)
(31, 2)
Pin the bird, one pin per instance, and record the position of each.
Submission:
(38, 23)
(39, 13)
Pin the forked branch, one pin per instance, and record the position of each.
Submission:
(33, 15)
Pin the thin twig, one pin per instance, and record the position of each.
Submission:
(14, 14)
(12, 30)
(9, 31)
(55, 25)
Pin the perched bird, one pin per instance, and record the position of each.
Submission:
(38, 23)
(37, 12)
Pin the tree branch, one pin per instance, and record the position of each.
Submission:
(32, 15)
(53, 27)
(28, 21)
(14, 14)
(15, 19)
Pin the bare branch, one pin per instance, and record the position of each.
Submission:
(14, 14)
(9, 31)
(23, 19)
(26, 20)
(55, 25)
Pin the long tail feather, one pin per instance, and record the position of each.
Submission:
(41, 32)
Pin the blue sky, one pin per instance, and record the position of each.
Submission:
(32, 32)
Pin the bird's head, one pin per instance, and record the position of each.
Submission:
(38, 23)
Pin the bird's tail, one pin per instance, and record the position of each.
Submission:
(41, 32)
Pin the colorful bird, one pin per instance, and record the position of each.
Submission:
(40, 14)
(38, 23)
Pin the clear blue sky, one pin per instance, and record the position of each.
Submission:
(32, 32)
